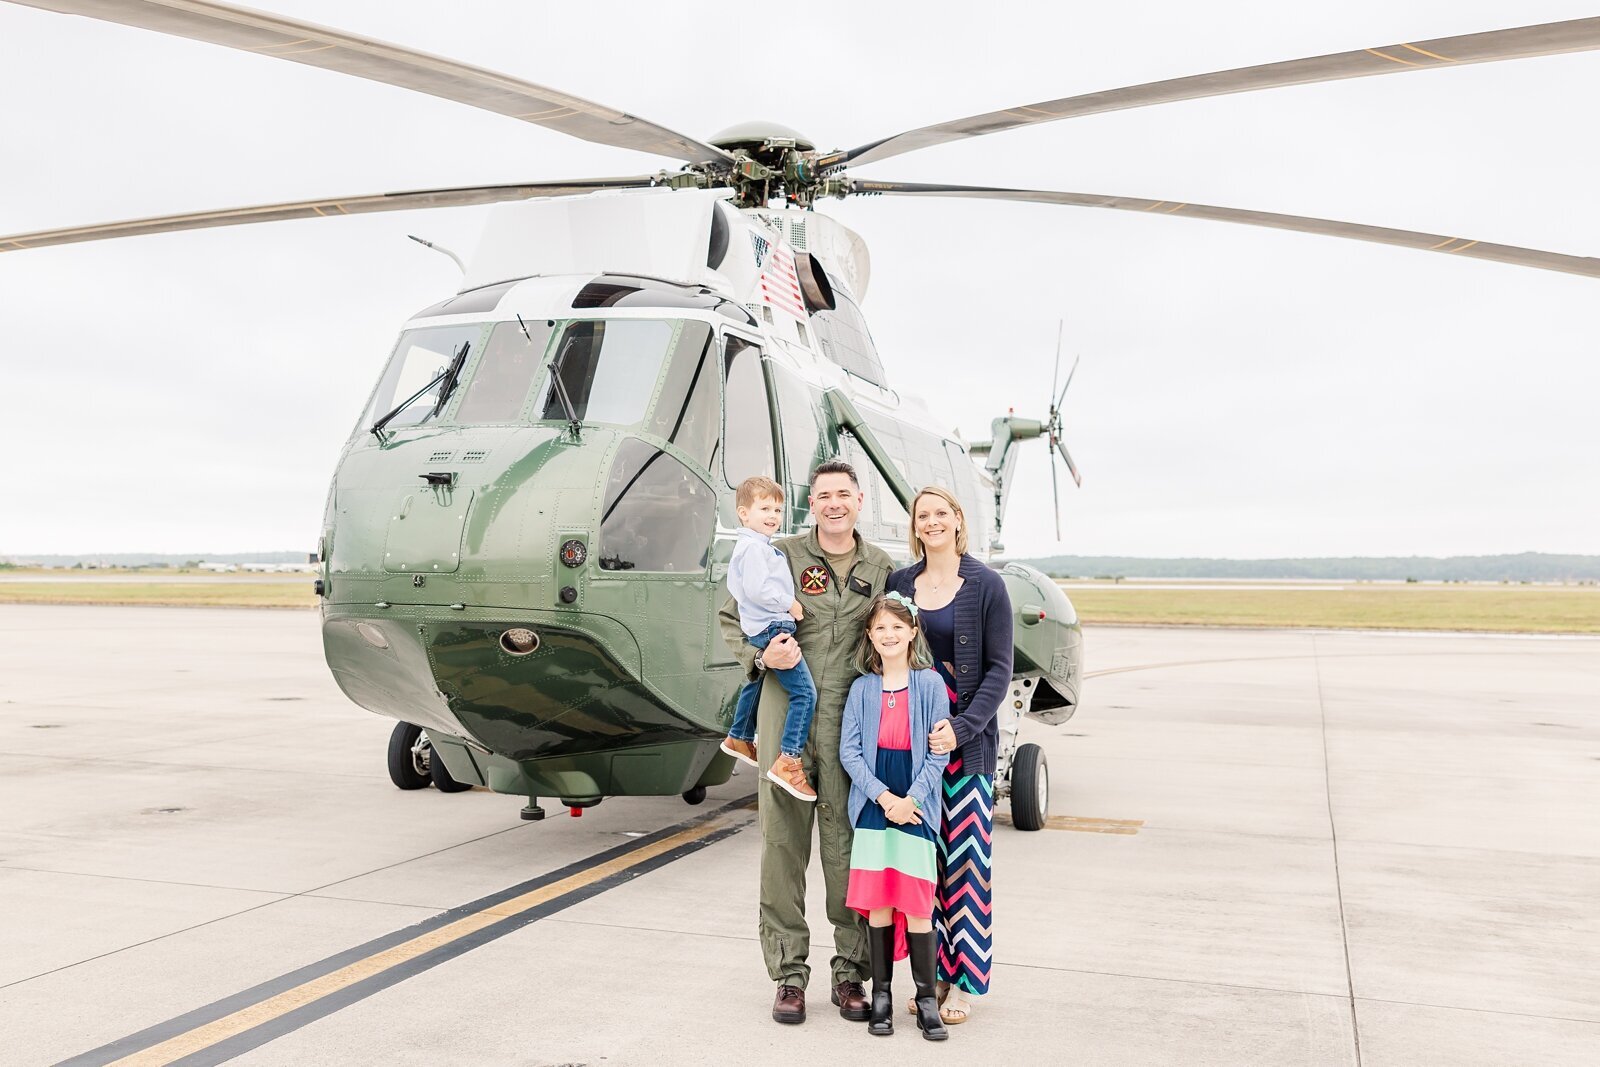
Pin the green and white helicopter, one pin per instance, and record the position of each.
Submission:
(524, 543)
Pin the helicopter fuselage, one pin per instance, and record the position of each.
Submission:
(527, 560)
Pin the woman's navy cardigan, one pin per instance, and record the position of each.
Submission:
(983, 656)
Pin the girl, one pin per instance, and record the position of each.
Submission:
(894, 804)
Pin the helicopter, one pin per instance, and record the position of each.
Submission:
(524, 538)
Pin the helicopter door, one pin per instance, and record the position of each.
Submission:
(747, 450)
(747, 445)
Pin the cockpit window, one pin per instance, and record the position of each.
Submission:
(505, 373)
(656, 516)
(419, 357)
(610, 369)
(689, 411)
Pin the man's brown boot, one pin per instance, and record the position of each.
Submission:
(790, 1005)
(790, 776)
(851, 997)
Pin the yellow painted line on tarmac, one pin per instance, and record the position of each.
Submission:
(205, 1036)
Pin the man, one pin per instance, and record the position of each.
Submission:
(836, 575)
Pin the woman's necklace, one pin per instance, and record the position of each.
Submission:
(933, 586)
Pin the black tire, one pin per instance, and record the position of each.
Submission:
(1030, 788)
(442, 781)
(403, 770)
(697, 795)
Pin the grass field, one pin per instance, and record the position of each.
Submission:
(230, 591)
(1421, 606)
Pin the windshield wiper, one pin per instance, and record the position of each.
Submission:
(557, 385)
(448, 374)
(451, 375)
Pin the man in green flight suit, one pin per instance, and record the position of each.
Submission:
(836, 575)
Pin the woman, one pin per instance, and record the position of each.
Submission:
(966, 618)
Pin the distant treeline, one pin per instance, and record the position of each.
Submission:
(146, 559)
(1522, 567)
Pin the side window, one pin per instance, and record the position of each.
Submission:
(747, 441)
(843, 337)
(802, 436)
(872, 486)
(504, 374)
(689, 413)
(891, 515)
(657, 515)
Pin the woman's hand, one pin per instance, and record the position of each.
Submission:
(899, 809)
(943, 737)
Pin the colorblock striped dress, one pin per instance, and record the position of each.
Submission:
(964, 903)
(892, 865)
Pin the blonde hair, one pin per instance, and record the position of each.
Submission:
(868, 661)
(955, 505)
(755, 487)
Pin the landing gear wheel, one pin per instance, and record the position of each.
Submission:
(697, 795)
(441, 775)
(408, 757)
(1030, 788)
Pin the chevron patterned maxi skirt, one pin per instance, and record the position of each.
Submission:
(963, 904)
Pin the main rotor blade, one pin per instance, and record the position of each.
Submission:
(1427, 242)
(317, 46)
(1523, 42)
(1061, 447)
(309, 209)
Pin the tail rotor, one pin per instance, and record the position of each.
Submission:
(1053, 428)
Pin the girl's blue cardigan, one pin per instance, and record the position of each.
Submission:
(858, 742)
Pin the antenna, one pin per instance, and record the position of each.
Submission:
(440, 248)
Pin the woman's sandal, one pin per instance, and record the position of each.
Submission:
(944, 991)
(954, 1016)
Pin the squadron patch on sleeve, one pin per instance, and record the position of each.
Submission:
(814, 581)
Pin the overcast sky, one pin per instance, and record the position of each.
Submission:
(1243, 392)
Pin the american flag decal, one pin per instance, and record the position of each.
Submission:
(780, 286)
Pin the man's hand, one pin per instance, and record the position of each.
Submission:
(900, 810)
(796, 612)
(942, 738)
(782, 653)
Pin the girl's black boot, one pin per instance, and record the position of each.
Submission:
(924, 968)
(880, 945)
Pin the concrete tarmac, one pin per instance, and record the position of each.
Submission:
(1318, 848)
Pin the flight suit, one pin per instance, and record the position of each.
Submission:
(828, 636)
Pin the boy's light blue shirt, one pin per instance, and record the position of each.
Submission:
(759, 582)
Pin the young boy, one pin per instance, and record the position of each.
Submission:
(761, 585)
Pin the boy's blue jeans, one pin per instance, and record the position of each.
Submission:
(796, 681)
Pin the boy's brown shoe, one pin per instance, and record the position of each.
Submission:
(790, 776)
(743, 751)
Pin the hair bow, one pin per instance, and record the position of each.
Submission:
(904, 601)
